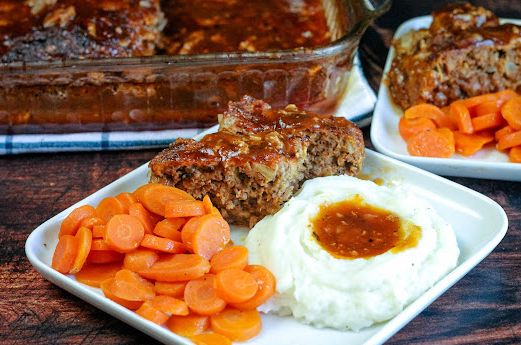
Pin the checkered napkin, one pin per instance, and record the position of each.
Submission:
(356, 105)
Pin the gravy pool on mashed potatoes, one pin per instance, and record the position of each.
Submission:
(337, 283)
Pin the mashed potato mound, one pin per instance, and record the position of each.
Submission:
(320, 289)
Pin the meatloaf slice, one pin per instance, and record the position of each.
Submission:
(259, 158)
(44, 30)
(465, 52)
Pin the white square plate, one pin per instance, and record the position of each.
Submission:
(487, 163)
(479, 224)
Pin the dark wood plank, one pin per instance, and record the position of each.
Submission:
(483, 308)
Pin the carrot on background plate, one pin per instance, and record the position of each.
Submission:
(472, 102)
(140, 259)
(189, 325)
(99, 244)
(124, 233)
(229, 257)
(108, 208)
(163, 244)
(469, 144)
(409, 127)
(509, 140)
(487, 121)
(184, 208)
(149, 222)
(210, 339)
(155, 196)
(84, 241)
(432, 143)
(104, 257)
(170, 305)
(267, 285)
(188, 231)
(91, 222)
(500, 133)
(107, 287)
(461, 116)
(131, 286)
(94, 274)
(65, 253)
(173, 289)
(72, 222)
(515, 154)
(429, 111)
(98, 231)
(170, 228)
(511, 111)
(150, 313)
(238, 325)
(126, 200)
(486, 108)
(212, 234)
(207, 203)
(235, 285)
(178, 267)
(201, 296)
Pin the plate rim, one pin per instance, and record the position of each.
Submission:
(428, 163)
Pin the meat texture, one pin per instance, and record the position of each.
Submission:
(464, 53)
(259, 158)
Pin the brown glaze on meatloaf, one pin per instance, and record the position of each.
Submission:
(259, 158)
(464, 53)
(37, 30)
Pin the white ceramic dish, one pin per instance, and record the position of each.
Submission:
(488, 163)
(479, 223)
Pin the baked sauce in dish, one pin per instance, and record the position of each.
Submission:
(352, 229)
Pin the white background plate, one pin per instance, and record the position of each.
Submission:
(488, 163)
(479, 224)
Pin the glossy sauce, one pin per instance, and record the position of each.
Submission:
(352, 229)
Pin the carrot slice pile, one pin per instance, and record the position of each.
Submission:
(152, 252)
(474, 122)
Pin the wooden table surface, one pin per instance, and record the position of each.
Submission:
(483, 308)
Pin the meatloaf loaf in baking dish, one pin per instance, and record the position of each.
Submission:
(259, 158)
(464, 53)
(44, 30)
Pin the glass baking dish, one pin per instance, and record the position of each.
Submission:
(182, 91)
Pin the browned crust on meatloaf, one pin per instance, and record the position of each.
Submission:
(259, 158)
(37, 30)
(464, 53)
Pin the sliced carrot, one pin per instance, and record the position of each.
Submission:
(211, 236)
(104, 257)
(188, 325)
(229, 257)
(184, 208)
(150, 313)
(505, 95)
(170, 305)
(170, 228)
(469, 144)
(72, 222)
(95, 274)
(476, 100)
(99, 244)
(490, 107)
(432, 112)
(409, 127)
(432, 143)
(155, 196)
(107, 287)
(500, 133)
(210, 339)
(176, 290)
(126, 200)
(178, 267)
(188, 231)
(91, 222)
(509, 140)
(140, 259)
(235, 285)
(511, 111)
(98, 231)
(149, 222)
(201, 296)
(215, 212)
(124, 233)
(65, 254)
(267, 286)
(84, 241)
(236, 324)
(132, 287)
(461, 116)
(207, 203)
(491, 120)
(515, 154)
(109, 207)
(163, 244)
